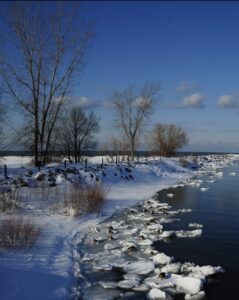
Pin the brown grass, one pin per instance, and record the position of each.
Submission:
(85, 199)
(18, 233)
(10, 201)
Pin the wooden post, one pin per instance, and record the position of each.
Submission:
(128, 160)
(5, 171)
(116, 159)
(85, 164)
(65, 164)
(102, 164)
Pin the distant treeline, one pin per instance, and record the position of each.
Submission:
(111, 153)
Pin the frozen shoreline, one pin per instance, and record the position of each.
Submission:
(50, 261)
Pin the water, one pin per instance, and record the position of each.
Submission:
(218, 210)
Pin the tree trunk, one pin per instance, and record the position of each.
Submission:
(132, 150)
(36, 138)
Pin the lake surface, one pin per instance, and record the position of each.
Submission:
(218, 210)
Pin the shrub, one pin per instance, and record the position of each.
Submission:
(84, 199)
(10, 200)
(18, 233)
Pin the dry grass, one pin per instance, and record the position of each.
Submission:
(18, 233)
(85, 199)
(10, 200)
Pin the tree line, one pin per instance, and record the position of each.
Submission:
(42, 57)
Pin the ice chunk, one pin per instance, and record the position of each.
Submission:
(232, 173)
(195, 225)
(171, 268)
(198, 296)
(128, 283)
(202, 189)
(161, 259)
(170, 195)
(156, 294)
(189, 234)
(188, 285)
(140, 267)
(108, 284)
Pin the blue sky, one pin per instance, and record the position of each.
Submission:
(190, 48)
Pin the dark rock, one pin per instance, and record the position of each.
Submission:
(128, 170)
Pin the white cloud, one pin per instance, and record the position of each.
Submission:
(85, 102)
(184, 86)
(195, 100)
(228, 101)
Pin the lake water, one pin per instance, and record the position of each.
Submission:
(218, 210)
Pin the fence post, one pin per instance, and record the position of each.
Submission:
(5, 171)
(85, 164)
(102, 164)
(65, 164)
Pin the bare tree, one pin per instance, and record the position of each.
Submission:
(77, 131)
(133, 108)
(167, 139)
(47, 43)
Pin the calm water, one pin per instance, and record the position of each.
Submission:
(218, 210)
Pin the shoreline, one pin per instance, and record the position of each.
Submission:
(68, 231)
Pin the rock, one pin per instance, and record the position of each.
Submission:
(40, 176)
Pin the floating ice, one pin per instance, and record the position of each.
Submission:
(108, 284)
(171, 268)
(198, 296)
(203, 270)
(189, 234)
(128, 283)
(139, 267)
(195, 225)
(170, 195)
(161, 259)
(232, 173)
(167, 234)
(204, 189)
(188, 285)
(156, 294)
(146, 242)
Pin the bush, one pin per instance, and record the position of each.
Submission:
(10, 200)
(18, 233)
(85, 199)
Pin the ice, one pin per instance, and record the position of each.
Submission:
(195, 225)
(146, 242)
(171, 268)
(139, 267)
(189, 234)
(199, 296)
(202, 189)
(232, 173)
(128, 283)
(188, 285)
(161, 259)
(170, 195)
(203, 270)
(167, 234)
(108, 284)
(156, 294)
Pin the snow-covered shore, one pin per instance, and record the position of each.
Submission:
(47, 270)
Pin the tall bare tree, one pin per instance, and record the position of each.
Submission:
(77, 130)
(46, 46)
(133, 108)
(167, 139)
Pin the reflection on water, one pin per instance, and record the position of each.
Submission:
(218, 210)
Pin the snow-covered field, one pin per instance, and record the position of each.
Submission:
(49, 269)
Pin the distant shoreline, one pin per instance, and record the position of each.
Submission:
(100, 153)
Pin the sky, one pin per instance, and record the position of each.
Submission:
(190, 48)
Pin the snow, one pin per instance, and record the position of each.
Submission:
(51, 268)
(170, 195)
(156, 294)
(232, 173)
